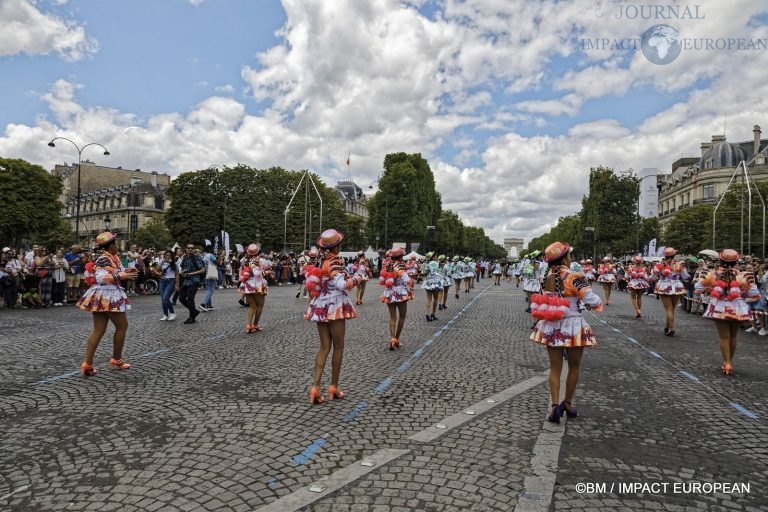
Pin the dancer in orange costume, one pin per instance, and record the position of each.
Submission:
(397, 292)
(108, 302)
(254, 272)
(669, 287)
(728, 288)
(606, 277)
(561, 327)
(638, 283)
(330, 308)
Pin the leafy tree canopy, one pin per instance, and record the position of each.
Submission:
(30, 198)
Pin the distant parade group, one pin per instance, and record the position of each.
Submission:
(557, 291)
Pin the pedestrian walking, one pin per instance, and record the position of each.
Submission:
(107, 301)
(329, 308)
(561, 327)
(669, 286)
(397, 292)
(255, 271)
(191, 271)
(211, 278)
(166, 275)
(729, 290)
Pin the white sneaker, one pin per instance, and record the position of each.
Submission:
(762, 332)
(751, 329)
(163, 318)
(172, 317)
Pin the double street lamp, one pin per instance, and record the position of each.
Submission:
(79, 164)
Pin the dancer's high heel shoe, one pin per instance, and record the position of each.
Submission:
(118, 364)
(557, 412)
(429, 319)
(432, 317)
(87, 370)
(570, 411)
(394, 343)
(727, 369)
(638, 314)
(334, 392)
(249, 328)
(315, 396)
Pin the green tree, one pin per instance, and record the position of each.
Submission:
(153, 234)
(689, 230)
(251, 203)
(30, 197)
(610, 207)
(407, 201)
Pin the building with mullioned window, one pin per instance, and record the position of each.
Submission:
(704, 179)
(119, 199)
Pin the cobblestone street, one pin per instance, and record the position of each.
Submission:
(211, 418)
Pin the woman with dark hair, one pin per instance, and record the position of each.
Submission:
(166, 275)
(669, 286)
(330, 308)
(728, 288)
(255, 271)
(108, 302)
(397, 292)
(561, 326)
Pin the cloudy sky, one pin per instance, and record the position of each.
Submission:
(509, 101)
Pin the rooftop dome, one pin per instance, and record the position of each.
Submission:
(722, 154)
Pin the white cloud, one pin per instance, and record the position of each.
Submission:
(226, 89)
(28, 30)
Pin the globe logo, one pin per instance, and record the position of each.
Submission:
(661, 44)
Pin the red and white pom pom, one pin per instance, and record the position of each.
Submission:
(666, 272)
(245, 274)
(658, 267)
(382, 280)
(733, 293)
(389, 283)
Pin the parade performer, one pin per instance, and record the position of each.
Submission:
(108, 302)
(496, 273)
(433, 285)
(469, 273)
(729, 290)
(445, 270)
(669, 286)
(561, 326)
(518, 271)
(532, 274)
(637, 274)
(607, 277)
(363, 269)
(330, 308)
(254, 273)
(457, 272)
(397, 293)
(589, 270)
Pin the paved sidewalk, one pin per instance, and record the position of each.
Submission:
(211, 418)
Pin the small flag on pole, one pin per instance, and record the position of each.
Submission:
(348, 155)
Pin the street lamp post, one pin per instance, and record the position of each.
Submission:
(134, 222)
(639, 192)
(107, 222)
(386, 213)
(79, 164)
